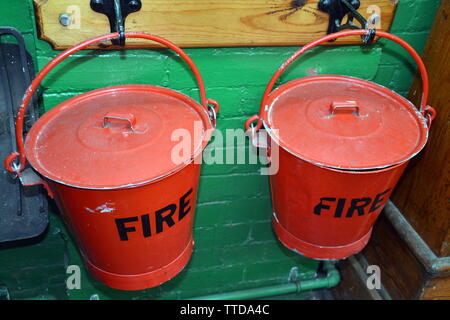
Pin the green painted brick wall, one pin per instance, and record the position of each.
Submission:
(235, 246)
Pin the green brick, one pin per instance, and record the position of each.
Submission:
(191, 284)
(393, 53)
(234, 101)
(410, 15)
(251, 99)
(231, 160)
(384, 75)
(280, 269)
(244, 255)
(252, 210)
(276, 251)
(222, 236)
(214, 214)
(262, 232)
(87, 71)
(257, 69)
(230, 99)
(53, 99)
(224, 169)
(223, 280)
(209, 215)
(418, 22)
(277, 271)
(403, 15)
(223, 138)
(231, 235)
(203, 260)
(17, 14)
(35, 266)
(402, 79)
(204, 238)
(221, 188)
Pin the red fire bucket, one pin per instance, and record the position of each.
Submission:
(343, 145)
(106, 156)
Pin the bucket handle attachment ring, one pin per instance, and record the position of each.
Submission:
(10, 162)
(428, 112)
(213, 110)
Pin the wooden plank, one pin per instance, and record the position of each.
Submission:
(204, 23)
(437, 289)
(402, 274)
(422, 194)
(353, 285)
(408, 270)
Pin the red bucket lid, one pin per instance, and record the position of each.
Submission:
(116, 137)
(344, 123)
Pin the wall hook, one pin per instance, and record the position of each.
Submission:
(338, 9)
(116, 11)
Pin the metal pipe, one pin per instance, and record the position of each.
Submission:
(437, 266)
(331, 279)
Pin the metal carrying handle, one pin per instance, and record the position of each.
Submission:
(424, 109)
(13, 167)
(339, 107)
(128, 118)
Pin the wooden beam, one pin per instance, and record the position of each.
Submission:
(437, 289)
(204, 23)
(423, 193)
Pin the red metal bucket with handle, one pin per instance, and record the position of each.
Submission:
(343, 145)
(107, 158)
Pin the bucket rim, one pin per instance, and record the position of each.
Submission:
(40, 123)
(348, 171)
(272, 98)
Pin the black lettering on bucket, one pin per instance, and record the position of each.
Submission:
(339, 208)
(184, 209)
(123, 231)
(146, 231)
(161, 217)
(378, 200)
(358, 205)
(318, 208)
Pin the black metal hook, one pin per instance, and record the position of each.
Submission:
(116, 11)
(338, 9)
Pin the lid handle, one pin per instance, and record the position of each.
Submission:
(10, 162)
(348, 107)
(424, 109)
(129, 118)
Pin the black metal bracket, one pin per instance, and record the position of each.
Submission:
(116, 11)
(338, 9)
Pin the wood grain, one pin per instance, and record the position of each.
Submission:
(437, 289)
(204, 23)
(402, 275)
(423, 194)
(353, 284)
